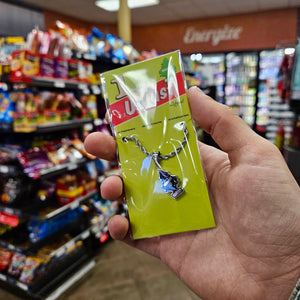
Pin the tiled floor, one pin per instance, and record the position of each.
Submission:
(124, 273)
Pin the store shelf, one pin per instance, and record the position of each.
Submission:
(41, 223)
(44, 82)
(72, 280)
(102, 60)
(52, 284)
(64, 125)
(74, 204)
(240, 104)
(27, 212)
(49, 127)
(12, 247)
(62, 168)
(18, 212)
(10, 170)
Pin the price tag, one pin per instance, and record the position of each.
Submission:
(88, 127)
(89, 56)
(11, 247)
(101, 178)
(82, 86)
(72, 166)
(59, 84)
(96, 89)
(70, 245)
(96, 228)
(85, 234)
(22, 286)
(74, 204)
(86, 91)
(8, 211)
(59, 252)
(4, 169)
(2, 277)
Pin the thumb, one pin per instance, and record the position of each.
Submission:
(229, 131)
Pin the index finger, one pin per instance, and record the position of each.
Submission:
(101, 145)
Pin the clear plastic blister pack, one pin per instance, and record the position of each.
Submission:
(163, 177)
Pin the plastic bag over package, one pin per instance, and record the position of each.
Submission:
(163, 177)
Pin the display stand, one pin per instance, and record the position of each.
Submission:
(70, 261)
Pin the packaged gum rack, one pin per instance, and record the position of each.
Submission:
(164, 182)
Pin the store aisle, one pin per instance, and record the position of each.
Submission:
(124, 273)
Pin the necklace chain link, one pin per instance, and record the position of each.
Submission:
(166, 156)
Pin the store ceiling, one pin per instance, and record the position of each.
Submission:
(167, 11)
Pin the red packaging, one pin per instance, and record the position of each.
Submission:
(67, 189)
(8, 219)
(17, 65)
(5, 258)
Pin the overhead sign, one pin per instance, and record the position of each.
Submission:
(253, 31)
(212, 36)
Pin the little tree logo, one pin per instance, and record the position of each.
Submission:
(164, 71)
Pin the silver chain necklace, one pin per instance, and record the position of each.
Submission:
(170, 183)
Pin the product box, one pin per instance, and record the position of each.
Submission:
(61, 68)
(47, 65)
(85, 71)
(73, 69)
(17, 60)
(163, 177)
(31, 64)
(24, 64)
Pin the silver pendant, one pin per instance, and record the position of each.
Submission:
(170, 183)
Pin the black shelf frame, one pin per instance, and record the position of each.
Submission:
(80, 229)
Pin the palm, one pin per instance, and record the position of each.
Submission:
(223, 260)
(256, 206)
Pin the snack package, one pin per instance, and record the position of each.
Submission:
(34, 161)
(7, 109)
(47, 65)
(73, 69)
(31, 267)
(17, 62)
(164, 181)
(61, 68)
(17, 264)
(31, 64)
(5, 258)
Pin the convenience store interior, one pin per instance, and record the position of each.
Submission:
(64, 234)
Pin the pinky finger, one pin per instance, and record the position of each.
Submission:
(118, 227)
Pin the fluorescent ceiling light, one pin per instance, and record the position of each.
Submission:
(113, 5)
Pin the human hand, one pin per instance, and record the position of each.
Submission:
(254, 251)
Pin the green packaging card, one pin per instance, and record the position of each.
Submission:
(164, 183)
